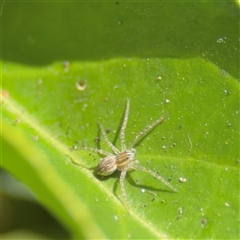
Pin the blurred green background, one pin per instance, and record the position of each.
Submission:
(43, 32)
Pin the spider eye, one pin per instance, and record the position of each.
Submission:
(107, 166)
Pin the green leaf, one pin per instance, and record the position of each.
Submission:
(48, 109)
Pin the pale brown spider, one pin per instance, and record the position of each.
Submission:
(123, 160)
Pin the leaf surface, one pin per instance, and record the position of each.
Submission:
(49, 106)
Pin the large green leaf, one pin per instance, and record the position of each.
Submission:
(170, 69)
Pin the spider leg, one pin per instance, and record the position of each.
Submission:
(121, 180)
(114, 149)
(95, 150)
(141, 168)
(147, 129)
(124, 124)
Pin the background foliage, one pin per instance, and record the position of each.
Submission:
(180, 58)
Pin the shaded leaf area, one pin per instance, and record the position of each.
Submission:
(24, 218)
(90, 31)
(196, 147)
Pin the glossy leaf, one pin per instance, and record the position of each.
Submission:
(47, 109)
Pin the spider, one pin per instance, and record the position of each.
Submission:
(124, 160)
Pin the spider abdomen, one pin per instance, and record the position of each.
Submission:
(107, 166)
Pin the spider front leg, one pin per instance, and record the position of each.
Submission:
(124, 194)
(143, 169)
(144, 131)
(114, 149)
(123, 127)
